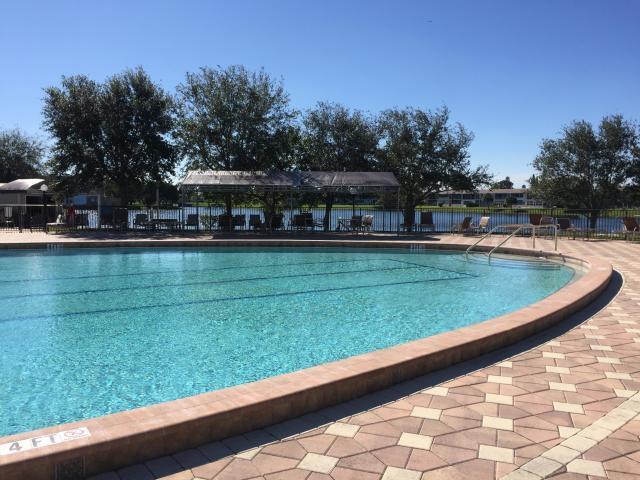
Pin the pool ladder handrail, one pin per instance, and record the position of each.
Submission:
(514, 232)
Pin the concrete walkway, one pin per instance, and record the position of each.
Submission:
(562, 405)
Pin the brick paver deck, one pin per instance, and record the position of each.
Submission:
(568, 408)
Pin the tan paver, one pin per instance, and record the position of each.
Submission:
(439, 391)
(554, 369)
(565, 387)
(318, 463)
(414, 440)
(501, 399)
(342, 429)
(394, 473)
(567, 407)
(498, 454)
(497, 423)
(424, 412)
(586, 467)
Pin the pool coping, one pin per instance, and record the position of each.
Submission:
(141, 434)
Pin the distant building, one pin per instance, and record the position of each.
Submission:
(519, 197)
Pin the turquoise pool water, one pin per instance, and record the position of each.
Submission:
(85, 333)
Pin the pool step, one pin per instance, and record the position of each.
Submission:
(510, 262)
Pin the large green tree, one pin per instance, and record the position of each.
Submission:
(20, 156)
(586, 167)
(503, 184)
(110, 135)
(427, 154)
(335, 138)
(235, 119)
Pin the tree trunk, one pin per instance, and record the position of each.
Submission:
(409, 213)
(124, 200)
(328, 205)
(228, 203)
(271, 206)
(593, 218)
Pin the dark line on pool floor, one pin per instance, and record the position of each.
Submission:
(434, 268)
(161, 272)
(207, 282)
(228, 299)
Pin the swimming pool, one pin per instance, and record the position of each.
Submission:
(90, 332)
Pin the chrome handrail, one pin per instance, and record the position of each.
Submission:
(488, 234)
(504, 241)
(514, 232)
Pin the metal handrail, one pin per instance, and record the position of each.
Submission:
(514, 232)
(488, 234)
(504, 241)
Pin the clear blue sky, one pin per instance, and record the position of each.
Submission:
(511, 71)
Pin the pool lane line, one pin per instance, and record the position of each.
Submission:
(207, 282)
(435, 268)
(227, 299)
(161, 272)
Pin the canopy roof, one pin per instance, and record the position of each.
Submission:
(235, 181)
(22, 185)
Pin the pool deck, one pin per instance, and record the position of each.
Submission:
(564, 405)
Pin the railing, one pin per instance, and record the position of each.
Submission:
(605, 224)
(512, 231)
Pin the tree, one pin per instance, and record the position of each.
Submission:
(335, 138)
(427, 154)
(585, 168)
(114, 133)
(506, 184)
(234, 119)
(20, 156)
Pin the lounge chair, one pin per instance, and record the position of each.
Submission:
(277, 221)
(106, 220)
(535, 218)
(193, 220)
(482, 227)
(4, 220)
(298, 222)
(141, 221)
(464, 226)
(310, 222)
(255, 222)
(426, 221)
(367, 223)
(631, 227)
(82, 220)
(225, 222)
(59, 224)
(565, 226)
(239, 221)
(121, 219)
(355, 223)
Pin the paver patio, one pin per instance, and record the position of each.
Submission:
(567, 408)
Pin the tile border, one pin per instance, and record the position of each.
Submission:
(580, 442)
(141, 434)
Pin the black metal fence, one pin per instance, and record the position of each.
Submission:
(211, 218)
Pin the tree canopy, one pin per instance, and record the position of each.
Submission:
(234, 119)
(427, 154)
(114, 133)
(335, 138)
(587, 167)
(20, 156)
(503, 184)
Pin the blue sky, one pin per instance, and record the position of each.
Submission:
(513, 72)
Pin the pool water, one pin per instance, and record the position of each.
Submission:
(85, 332)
